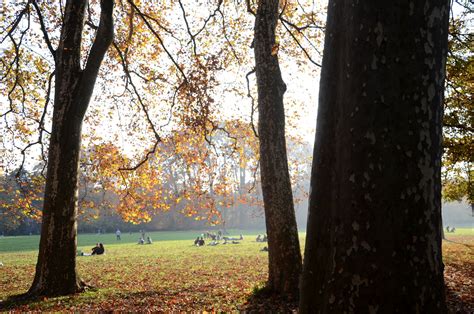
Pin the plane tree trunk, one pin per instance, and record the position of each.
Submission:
(56, 272)
(283, 244)
(373, 241)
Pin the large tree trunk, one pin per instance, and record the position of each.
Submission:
(56, 267)
(283, 244)
(374, 242)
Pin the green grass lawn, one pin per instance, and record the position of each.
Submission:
(172, 274)
(462, 231)
(30, 243)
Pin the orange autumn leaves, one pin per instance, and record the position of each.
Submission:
(189, 173)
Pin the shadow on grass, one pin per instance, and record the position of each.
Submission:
(102, 300)
(26, 301)
(455, 303)
(264, 300)
(16, 301)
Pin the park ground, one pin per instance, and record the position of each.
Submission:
(173, 275)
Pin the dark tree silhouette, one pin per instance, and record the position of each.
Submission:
(374, 242)
(56, 275)
(283, 244)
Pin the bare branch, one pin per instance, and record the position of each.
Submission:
(299, 44)
(301, 28)
(43, 29)
(234, 53)
(249, 94)
(15, 23)
(187, 26)
(145, 110)
(155, 33)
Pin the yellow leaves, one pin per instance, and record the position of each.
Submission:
(21, 126)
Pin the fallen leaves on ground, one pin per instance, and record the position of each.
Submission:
(175, 276)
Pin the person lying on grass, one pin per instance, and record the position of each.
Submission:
(233, 239)
(230, 241)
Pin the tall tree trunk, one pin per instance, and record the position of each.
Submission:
(56, 267)
(283, 244)
(374, 242)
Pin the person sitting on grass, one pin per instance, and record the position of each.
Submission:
(93, 249)
(98, 249)
(141, 241)
(196, 242)
(148, 240)
(201, 242)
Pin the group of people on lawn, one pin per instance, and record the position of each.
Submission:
(215, 239)
(450, 230)
(141, 240)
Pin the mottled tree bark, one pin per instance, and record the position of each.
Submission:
(374, 242)
(56, 267)
(283, 244)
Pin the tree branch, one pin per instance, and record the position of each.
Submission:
(249, 94)
(103, 39)
(299, 44)
(187, 26)
(145, 110)
(43, 29)
(150, 27)
(15, 23)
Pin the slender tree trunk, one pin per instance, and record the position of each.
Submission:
(56, 267)
(374, 242)
(283, 244)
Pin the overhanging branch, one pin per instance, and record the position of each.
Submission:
(43, 29)
(103, 39)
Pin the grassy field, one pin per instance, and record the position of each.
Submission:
(85, 241)
(171, 274)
